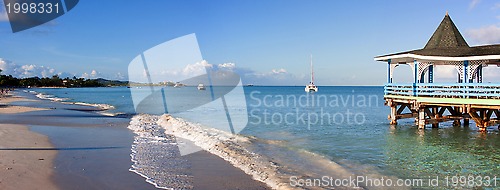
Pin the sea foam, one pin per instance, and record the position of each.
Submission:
(229, 147)
(155, 155)
(267, 161)
(50, 97)
(166, 130)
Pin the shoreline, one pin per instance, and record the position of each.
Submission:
(24, 154)
(245, 167)
(108, 140)
(199, 169)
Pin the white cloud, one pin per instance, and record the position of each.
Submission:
(248, 76)
(23, 71)
(227, 65)
(93, 74)
(33, 70)
(279, 71)
(177, 72)
(473, 4)
(273, 77)
(65, 75)
(196, 69)
(485, 35)
(85, 75)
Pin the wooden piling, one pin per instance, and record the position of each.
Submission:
(393, 116)
(434, 113)
(421, 118)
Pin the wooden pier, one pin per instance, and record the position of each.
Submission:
(431, 103)
(436, 103)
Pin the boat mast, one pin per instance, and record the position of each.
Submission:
(312, 70)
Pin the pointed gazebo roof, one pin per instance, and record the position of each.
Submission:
(446, 44)
(446, 36)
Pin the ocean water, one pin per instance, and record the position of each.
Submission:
(118, 99)
(338, 131)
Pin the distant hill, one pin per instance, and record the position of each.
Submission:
(106, 82)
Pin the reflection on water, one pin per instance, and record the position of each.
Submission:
(448, 151)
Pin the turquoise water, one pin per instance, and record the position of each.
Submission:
(347, 125)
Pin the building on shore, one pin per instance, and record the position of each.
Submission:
(431, 103)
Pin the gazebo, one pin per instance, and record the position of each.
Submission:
(432, 103)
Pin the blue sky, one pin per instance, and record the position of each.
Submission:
(268, 41)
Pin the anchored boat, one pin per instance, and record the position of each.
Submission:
(201, 86)
(311, 87)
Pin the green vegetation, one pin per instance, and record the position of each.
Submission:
(55, 81)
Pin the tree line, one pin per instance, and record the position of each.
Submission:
(56, 81)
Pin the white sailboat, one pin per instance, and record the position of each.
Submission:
(311, 87)
(201, 86)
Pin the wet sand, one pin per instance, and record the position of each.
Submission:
(22, 164)
(213, 173)
(6, 108)
(26, 158)
(93, 151)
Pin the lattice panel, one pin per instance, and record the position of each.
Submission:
(478, 62)
(422, 68)
(473, 65)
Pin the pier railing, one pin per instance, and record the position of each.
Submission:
(445, 90)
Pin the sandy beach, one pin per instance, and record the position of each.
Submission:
(24, 159)
(5, 108)
(50, 145)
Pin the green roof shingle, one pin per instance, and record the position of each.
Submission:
(446, 36)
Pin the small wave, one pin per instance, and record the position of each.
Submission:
(53, 98)
(232, 148)
(117, 114)
(155, 155)
(154, 130)
(101, 106)
(50, 97)
(268, 161)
